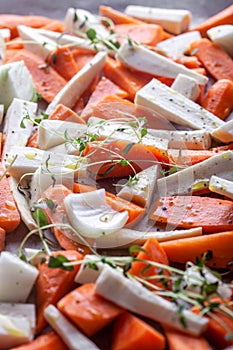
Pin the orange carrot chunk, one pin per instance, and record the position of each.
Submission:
(190, 157)
(116, 16)
(63, 62)
(53, 283)
(46, 341)
(219, 98)
(61, 112)
(47, 81)
(153, 252)
(82, 57)
(212, 214)
(219, 245)
(223, 17)
(131, 333)
(216, 61)
(55, 26)
(89, 311)
(2, 239)
(177, 341)
(9, 214)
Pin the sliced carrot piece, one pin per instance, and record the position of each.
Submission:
(216, 61)
(53, 283)
(135, 212)
(13, 21)
(89, 311)
(190, 157)
(55, 26)
(128, 80)
(153, 252)
(47, 81)
(147, 34)
(2, 239)
(223, 17)
(212, 214)
(10, 53)
(131, 333)
(33, 140)
(219, 98)
(9, 214)
(189, 61)
(15, 43)
(63, 62)
(188, 249)
(61, 112)
(116, 16)
(46, 341)
(82, 57)
(177, 341)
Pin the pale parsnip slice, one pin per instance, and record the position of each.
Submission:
(20, 310)
(91, 216)
(222, 35)
(197, 176)
(177, 46)
(35, 42)
(221, 186)
(175, 107)
(86, 274)
(55, 132)
(182, 139)
(70, 334)
(79, 83)
(224, 132)
(144, 60)
(18, 276)
(35, 256)
(131, 295)
(15, 135)
(186, 86)
(14, 331)
(65, 148)
(173, 20)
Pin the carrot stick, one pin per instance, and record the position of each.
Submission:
(33, 140)
(82, 57)
(46, 341)
(61, 112)
(135, 212)
(9, 215)
(219, 245)
(219, 98)
(55, 26)
(177, 341)
(53, 283)
(63, 62)
(147, 34)
(47, 81)
(89, 311)
(13, 21)
(153, 252)
(223, 17)
(212, 214)
(190, 157)
(216, 61)
(116, 16)
(2, 239)
(131, 333)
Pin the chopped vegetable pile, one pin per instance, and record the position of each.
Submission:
(116, 212)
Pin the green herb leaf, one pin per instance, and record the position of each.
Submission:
(40, 217)
(91, 34)
(194, 51)
(75, 19)
(136, 249)
(92, 266)
(23, 257)
(58, 261)
(143, 132)
(128, 148)
(50, 204)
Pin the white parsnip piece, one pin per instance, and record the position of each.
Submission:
(173, 20)
(175, 107)
(186, 86)
(144, 60)
(131, 295)
(222, 35)
(14, 331)
(224, 132)
(79, 83)
(221, 186)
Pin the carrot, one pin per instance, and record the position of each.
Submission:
(223, 17)
(219, 98)
(105, 87)
(121, 158)
(89, 311)
(190, 157)
(219, 245)
(33, 140)
(53, 283)
(9, 214)
(15, 43)
(12, 21)
(216, 61)
(189, 61)
(126, 79)
(46, 341)
(55, 26)
(152, 252)
(2, 239)
(61, 112)
(177, 341)
(135, 212)
(47, 81)
(131, 333)
(63, 62)
(147, 34)
(82, 57)
(213, 214)
(116, 16)
(10, 53)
